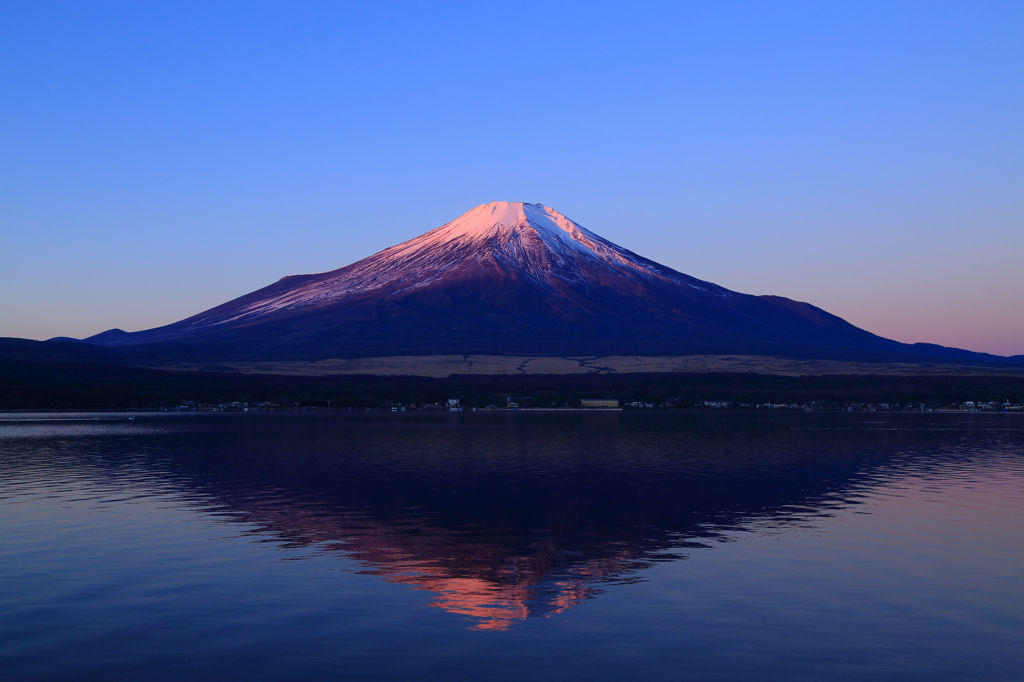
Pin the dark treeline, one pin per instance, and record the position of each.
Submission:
(25, 385)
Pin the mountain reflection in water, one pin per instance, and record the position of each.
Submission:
(509, 516)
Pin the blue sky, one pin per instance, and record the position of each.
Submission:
(157, 159)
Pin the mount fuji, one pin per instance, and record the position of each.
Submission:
(506, 278)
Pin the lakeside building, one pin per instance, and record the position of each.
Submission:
(599, 402)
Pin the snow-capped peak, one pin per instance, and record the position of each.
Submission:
(482, 221)
(488, 221)
(531, 240)
(519, 233)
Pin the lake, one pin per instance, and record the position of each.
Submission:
(512, 546)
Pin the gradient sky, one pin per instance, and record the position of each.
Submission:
(159, 159)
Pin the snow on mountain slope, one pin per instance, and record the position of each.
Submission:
(504, 277)
(532, 240)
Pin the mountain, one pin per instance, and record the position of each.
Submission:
(505, 278)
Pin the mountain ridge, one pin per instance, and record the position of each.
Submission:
(513, 278)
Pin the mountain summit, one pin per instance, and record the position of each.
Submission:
(528, 242)
(533, 239)
(509, 278)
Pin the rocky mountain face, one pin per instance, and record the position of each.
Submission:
(509, 277)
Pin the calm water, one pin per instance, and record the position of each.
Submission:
(611, 546)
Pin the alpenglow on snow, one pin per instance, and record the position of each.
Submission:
(510, 278)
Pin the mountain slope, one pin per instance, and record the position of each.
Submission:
(508, 278)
